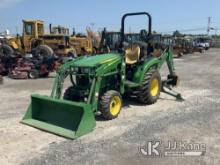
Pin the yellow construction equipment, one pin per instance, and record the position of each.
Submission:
(35, 41)
(82, 44)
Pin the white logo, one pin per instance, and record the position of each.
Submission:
(173, 149)
(151, 149)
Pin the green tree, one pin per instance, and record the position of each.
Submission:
(177, 34)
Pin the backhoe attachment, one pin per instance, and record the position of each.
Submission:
(167, 87)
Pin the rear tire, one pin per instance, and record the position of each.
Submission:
(110, 104)
(33, 74)
(6, 51)
(72, 54)
(43, 51)
(149, 92)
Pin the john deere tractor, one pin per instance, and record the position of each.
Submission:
(35, 41)
(98, 84)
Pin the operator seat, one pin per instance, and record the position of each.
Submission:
(132, 54)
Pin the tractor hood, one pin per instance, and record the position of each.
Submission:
(97, 60)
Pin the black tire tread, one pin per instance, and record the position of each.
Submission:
(36, 74)
(68, 94)
(48, 50)
(104, 104)
(143, 95)
(8, 49)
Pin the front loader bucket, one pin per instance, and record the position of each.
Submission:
(61, 117)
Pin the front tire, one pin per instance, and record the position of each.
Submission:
(149, 92)
(110, 104)
(69, 94)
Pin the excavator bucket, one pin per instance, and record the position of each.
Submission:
(61, 117)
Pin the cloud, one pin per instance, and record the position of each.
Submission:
(8, 3)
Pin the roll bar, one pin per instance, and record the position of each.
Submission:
(134, 14)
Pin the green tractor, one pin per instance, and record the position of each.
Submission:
(98, 84)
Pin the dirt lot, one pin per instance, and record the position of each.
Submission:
(197, 119)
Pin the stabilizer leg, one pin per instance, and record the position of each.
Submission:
(168, 90)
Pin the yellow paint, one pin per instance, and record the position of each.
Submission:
(115, 105)
(14, 45)
(107, 61)
(154, 89)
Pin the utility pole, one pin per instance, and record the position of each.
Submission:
(209, 24)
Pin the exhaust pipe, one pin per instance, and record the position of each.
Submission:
(50, 28)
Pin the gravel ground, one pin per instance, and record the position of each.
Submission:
(196, 120)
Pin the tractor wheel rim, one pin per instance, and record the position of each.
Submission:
(115, 105)
(31, 75)
(154, 87)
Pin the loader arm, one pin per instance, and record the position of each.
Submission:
(62, 117)
(62, 73)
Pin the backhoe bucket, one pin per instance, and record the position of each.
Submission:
(61, 117)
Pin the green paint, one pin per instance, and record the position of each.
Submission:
(104, 72)
(97, 60)
(65, 118)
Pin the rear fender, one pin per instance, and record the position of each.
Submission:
(141, 70)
